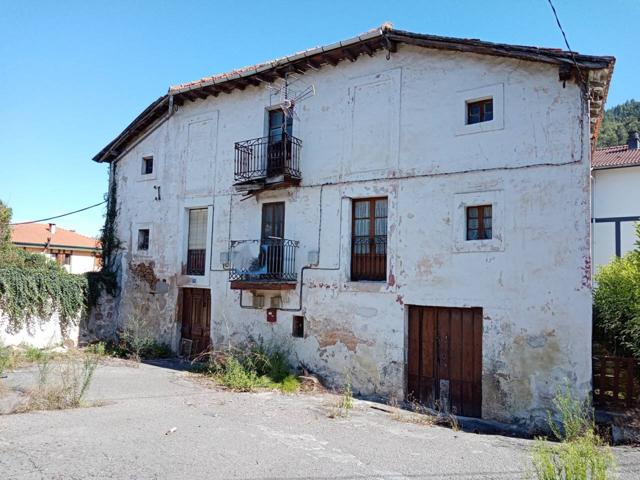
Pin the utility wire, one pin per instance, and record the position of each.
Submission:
(59, 216)
(566, 42)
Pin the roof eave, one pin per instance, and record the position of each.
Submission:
(384, 37)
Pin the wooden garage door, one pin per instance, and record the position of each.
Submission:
(445, 358)
(196, 318)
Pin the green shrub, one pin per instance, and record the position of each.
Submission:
(250, 367)
(5, 358)
(617, 302)
(580, 454)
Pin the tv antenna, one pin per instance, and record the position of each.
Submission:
(290, 91)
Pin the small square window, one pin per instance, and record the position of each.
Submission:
(481, 111)
(298, 326)
(143, 239)
(147, 165)
(67, 259)
(479, 222)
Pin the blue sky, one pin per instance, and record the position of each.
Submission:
(74, 74)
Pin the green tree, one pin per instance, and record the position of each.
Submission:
(616, 301)
(5, 229)
(618, 123)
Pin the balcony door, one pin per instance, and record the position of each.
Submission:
(279, 146)
(271, 239)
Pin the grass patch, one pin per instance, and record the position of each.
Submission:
(580, 454)
(63, 382)
(249, 367)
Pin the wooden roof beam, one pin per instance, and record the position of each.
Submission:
(350, 55)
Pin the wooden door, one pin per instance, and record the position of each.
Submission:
(196, 318)
(445, 358)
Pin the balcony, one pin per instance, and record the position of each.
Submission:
(267, 264)
(265, 163)
(196, 261)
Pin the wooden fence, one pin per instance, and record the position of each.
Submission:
(615, 382)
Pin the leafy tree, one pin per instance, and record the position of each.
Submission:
(617, 302)
(618, 123)
(5, 229)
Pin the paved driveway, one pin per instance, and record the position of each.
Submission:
(161, 423)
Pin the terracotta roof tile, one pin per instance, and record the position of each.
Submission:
(40, 234)
(618, 156)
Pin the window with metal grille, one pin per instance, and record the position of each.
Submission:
(147, 165)
(143, 239)
(369, 239)
(197, 242)
(479, 222)
(480, 111)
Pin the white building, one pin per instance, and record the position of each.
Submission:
(421, 222)
(76, 253)
(616, 200)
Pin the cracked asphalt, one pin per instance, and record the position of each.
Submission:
(155, 422)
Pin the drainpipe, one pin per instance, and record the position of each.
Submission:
(310, 267)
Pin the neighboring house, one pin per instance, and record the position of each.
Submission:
(76, 253)
(616, 199)
(420, 224)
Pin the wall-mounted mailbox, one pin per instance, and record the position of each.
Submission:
(272, 315)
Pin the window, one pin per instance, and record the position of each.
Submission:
(479, 225)
(147, 165)
(480, 111)
(67, 259)
(369, 240)
(197, 241)
(298, 326)
(143, 239)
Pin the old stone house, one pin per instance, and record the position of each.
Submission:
(409, 209)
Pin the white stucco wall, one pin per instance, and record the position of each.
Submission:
(616, 193)
(41, 333)
(391, 128)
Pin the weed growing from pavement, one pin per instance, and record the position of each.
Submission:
(69, 387)
(344, 405)
(580, 454)
(249, 367)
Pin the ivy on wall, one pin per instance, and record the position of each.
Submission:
(28, 293)
(106, 280)
(33, 287)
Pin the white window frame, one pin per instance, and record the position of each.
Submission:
(134, 239)
(464, 97)
(147, 176)
(191, 204)
(473, 199)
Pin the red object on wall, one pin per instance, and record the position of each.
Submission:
(272, 315)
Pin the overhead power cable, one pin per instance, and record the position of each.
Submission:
(63, 215)
(566, 42)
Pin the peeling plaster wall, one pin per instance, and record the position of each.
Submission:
(390, 128)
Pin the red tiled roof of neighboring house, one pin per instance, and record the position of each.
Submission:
(39, 234)
(612, 157)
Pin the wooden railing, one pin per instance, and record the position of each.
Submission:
(615, 382)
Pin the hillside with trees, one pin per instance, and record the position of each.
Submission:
(618, 123)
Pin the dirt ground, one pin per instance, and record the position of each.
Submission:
(159, 422)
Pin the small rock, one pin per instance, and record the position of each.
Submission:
(171, 430)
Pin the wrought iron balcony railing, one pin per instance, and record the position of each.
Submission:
(196, 261)
(265, 157)
(266, 260)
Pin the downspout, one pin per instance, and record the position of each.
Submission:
(310, 267)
